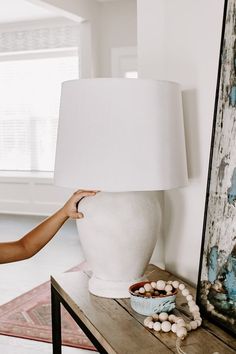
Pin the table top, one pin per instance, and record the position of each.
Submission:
(120, 329)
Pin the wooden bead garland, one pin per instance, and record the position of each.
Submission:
(165, 322)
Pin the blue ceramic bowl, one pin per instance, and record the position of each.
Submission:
(150, 305)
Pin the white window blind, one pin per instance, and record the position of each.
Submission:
(30, 86)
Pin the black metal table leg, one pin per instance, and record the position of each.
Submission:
(56, 322)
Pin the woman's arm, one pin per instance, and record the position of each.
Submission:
(37, 238)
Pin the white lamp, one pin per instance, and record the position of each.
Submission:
(124, 137)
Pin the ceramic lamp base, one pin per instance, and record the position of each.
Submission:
(118, 234)
(111, 289)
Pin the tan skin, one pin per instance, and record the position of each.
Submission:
(37, 238)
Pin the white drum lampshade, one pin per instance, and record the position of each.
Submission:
(124, 137)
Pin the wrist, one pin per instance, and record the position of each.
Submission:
(63, 214)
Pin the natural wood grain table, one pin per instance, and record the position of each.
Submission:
(113, 327)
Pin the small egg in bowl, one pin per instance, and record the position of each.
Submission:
(146, 299)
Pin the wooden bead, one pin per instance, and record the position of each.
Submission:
(163, 316)
(147, 320)
(141, 290)
(174, 327)
(195, 313)
(153, 284)
(197, 316)
(166, 326)
(185, 292)
(188, 327)
(195, 308)
(155, 317)
(181, 332)
(168, 288)
(150, 325)
(177, 318)
(189, 298)
(193, 325)
(191, 309)
(199, 322)
(147, 287)
(157, 326)
(180, 322)
(161, 285)
(175, 284)
(172, 318)
(191, 303)
(181, 287)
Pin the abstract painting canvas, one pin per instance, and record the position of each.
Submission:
(216, 293)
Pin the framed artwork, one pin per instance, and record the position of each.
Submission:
(216, 293)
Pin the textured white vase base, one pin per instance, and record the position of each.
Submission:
(110, 289)
(118, 235)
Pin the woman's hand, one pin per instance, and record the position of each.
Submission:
(37, 238)
(70, 207)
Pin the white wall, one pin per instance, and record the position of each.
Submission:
(118, 28)
(107, 25)
(180, 41)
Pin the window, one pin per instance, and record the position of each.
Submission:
(30, 84)
(29, 106)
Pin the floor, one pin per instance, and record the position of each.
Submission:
(62, 253)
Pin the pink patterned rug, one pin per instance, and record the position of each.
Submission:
(29, 316)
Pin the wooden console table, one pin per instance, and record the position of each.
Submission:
(114, 328)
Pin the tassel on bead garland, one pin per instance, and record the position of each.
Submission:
(178, 346)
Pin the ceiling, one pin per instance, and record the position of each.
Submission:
(22, 10)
